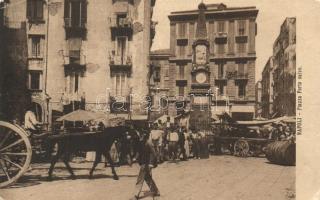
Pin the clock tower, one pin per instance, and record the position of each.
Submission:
(200, 85)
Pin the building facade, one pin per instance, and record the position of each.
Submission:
(267, 89)
(86, 54)
(212, 60)
(284, 69)
(258, 94)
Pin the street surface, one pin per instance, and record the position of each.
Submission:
(216, 178)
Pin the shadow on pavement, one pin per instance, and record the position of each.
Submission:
(32, 180)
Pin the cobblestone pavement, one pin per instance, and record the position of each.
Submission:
(218, 178)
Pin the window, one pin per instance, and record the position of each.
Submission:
(157, 75)
(242, 90)
(221, 27)
(221, 70)
(75, 13)
(182, 30)
(221, 89)
(122, 49)
(120, 84)
(181, 50)
(36, 49)
(241, 70)
(167, 72)
(241, 27)
(241, 47)
(181, 72)
(74, 57)
(73, 80)
(181, 91)
(35, 9)
(121, 19)
(35, 80)
(220, 48)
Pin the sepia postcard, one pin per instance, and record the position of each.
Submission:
(159, 99)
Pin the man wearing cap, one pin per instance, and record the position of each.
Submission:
(147, 161)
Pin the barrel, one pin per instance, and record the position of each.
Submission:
(281, 152)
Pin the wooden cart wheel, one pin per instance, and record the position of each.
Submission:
(241, 148)
(15, 153)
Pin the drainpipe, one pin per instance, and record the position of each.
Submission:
(46, 67)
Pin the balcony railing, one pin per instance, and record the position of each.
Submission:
(120, 60)
(221, 77)
(241, 39)
(120, 23)
(75, 29)
(121, 26)
(129, 1)
(221, 37)
(241, 76)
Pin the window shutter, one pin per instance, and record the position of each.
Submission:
(84, 12)
(39, 9)
(67, 9)
(29, 7)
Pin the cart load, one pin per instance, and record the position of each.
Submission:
(281, 152)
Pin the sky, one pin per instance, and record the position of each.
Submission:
(271, 15)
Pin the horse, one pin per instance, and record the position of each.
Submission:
(99, 142)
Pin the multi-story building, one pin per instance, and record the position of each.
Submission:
(258, 94)
(159, 82)
(86, 54)
(212, 60)
(267, 89)
(284, 75)
(14, 94)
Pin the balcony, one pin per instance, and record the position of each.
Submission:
(221, 37)
(75, 62)
(181, 82)
(241, 76)
(120, 63)
(129, 1)
(221, 77)
(74, 67)
(75, 28)
(241, 39)
(121, 26)
(241, 98)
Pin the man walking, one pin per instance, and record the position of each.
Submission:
(147, 161)
(182, 143)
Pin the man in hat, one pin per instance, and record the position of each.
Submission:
(181, 142)
(156, 135)
(147, 161)
(30, 121)
(172, 139)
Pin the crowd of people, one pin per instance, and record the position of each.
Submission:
(171, 143)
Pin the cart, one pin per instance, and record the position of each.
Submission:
(15, 153)
(16, 147)
(245, 141)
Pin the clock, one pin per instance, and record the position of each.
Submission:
(201, 77)
(201, 54)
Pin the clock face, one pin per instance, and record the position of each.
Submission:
(201, 77)
(201, 54)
